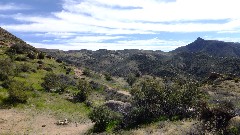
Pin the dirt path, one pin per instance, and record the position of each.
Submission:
(78, 72)
(16, 122)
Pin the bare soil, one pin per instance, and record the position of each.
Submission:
(17, 122)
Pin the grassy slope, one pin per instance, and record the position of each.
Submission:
(41, 101)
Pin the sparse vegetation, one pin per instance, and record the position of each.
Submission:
(56, 82)
(84, 90)
(19, 92)
(126, 91)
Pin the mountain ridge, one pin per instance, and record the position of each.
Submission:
(212, 47)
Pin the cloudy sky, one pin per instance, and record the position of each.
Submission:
(120, 24)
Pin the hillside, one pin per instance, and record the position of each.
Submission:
(212, 48)
(196, 60)
(8, 39)
(116, 92)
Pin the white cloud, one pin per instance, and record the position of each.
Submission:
(110, 18)
(152, 16)
(226, 39)
(150, 44)
(13, 6)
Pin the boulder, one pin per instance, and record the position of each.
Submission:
(119, 106)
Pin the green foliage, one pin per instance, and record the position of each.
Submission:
(19, 92)
(87, 72)
(41, 55)
(108, 77)
(84, 90)
(32, 55)
(6, 69)
(105, 119)
(21, 49)
(217, 118)
(151, 99)
(56, 82)
(21, 58)
(233, 131)
(131, 79)
(25, 67)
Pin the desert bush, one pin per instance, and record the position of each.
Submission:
(23, 68)
(59, 61)
(6, 69)
(152, 99)
(32, 55)
(56, 82)
(68, 70)
(217, 118)
(87, 72)
(41, 55)
(131, 79)
(21, 49)
(108, 77)
(105, 119)
(84, 88)
(21, 58)
(19, 92)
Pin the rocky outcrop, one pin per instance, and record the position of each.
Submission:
(119, 106)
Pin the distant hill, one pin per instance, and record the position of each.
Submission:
(212, 48)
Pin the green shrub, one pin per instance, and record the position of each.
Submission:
(19, 92)
(21, 58)
(32, 55)
(131, 79)
(217, 118)
(21, 49)
(84, 90)
(25, 67)
(6, 69)
(87, 72)
(108, 77)
(152, 98)
(56, 82)
(105, 119)
(41, 55)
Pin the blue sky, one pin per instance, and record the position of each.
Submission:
(120, 24)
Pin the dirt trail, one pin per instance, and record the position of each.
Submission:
(16, 122)
(78, 72)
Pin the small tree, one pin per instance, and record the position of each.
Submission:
(84, 89)
(108, 77)
(56, 83)
(6, 69)
(131, 79)
(105, 119)
(87, 72)
(19, 92)
(41, 55)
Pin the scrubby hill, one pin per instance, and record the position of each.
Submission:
(212, 48)
(194, 61)
(8, 39)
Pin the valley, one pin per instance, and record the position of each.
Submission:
(194, 89)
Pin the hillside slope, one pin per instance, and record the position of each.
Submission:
(212, 48)
(8, 39)
(196, 60)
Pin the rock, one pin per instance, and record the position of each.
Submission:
(119, 106)
(234, 122)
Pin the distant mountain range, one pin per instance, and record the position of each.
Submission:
(194, 61)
